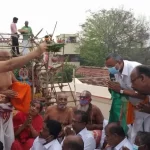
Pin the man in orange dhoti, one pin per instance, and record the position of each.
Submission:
(7, 79)
(6, 125)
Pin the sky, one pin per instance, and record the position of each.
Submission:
(69, 14)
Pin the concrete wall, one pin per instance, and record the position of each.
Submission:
(69, 48)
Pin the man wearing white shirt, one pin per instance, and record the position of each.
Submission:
(122, 70)
(116, 138)
(79, 122)
(47, 140)
(14, 36)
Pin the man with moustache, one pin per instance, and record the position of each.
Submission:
(6, 125)
(7, 78)
(60, 112)
(95, 116)
(140, 79)
(27, 33)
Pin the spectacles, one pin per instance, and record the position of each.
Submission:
(62, 99)
(133, 80)
(82, 97)
(75, 121)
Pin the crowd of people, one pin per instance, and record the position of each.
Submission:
(82, 127)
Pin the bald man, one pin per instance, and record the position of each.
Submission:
(95, 116)
(60, 112)
(73, 142)
(115, 137)
(6, 125)
(7, 78)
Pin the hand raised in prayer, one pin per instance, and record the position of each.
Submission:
(68, 130)
(143, 107)
(61, 134)
(115, 86)
(125, 148)
(28, 121)
(9, 93)
(2, 98)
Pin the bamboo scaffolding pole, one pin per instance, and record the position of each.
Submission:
(74, 82)
(47, 69)
(93, 77)
(19, 46)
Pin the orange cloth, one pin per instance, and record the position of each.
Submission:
(130, 113)
(131, 108)
(23, 99)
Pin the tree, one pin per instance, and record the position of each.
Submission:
(67, 74)
(114, 30)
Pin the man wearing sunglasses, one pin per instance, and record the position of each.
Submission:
(122, 69)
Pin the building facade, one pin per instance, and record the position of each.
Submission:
(70, 51)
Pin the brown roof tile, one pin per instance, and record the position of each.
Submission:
(93, 75)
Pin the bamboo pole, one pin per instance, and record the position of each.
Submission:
(74, 82)
(47, 69)
(33, 81)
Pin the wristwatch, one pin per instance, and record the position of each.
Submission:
(121, 91)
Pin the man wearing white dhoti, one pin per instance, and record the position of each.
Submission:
(6, 126)
(27, 35)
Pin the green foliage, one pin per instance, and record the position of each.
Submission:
(114, 30)
(55, 47)
(67, 74)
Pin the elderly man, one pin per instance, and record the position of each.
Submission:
(27, 34)
(122, 70)
(140, 79)
(115, 137)
(73, 142)
(60, 112)
(14, 63)
(6, 126)
(95, 116)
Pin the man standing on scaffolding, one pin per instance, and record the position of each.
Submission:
(27, 35)
(14, 37)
